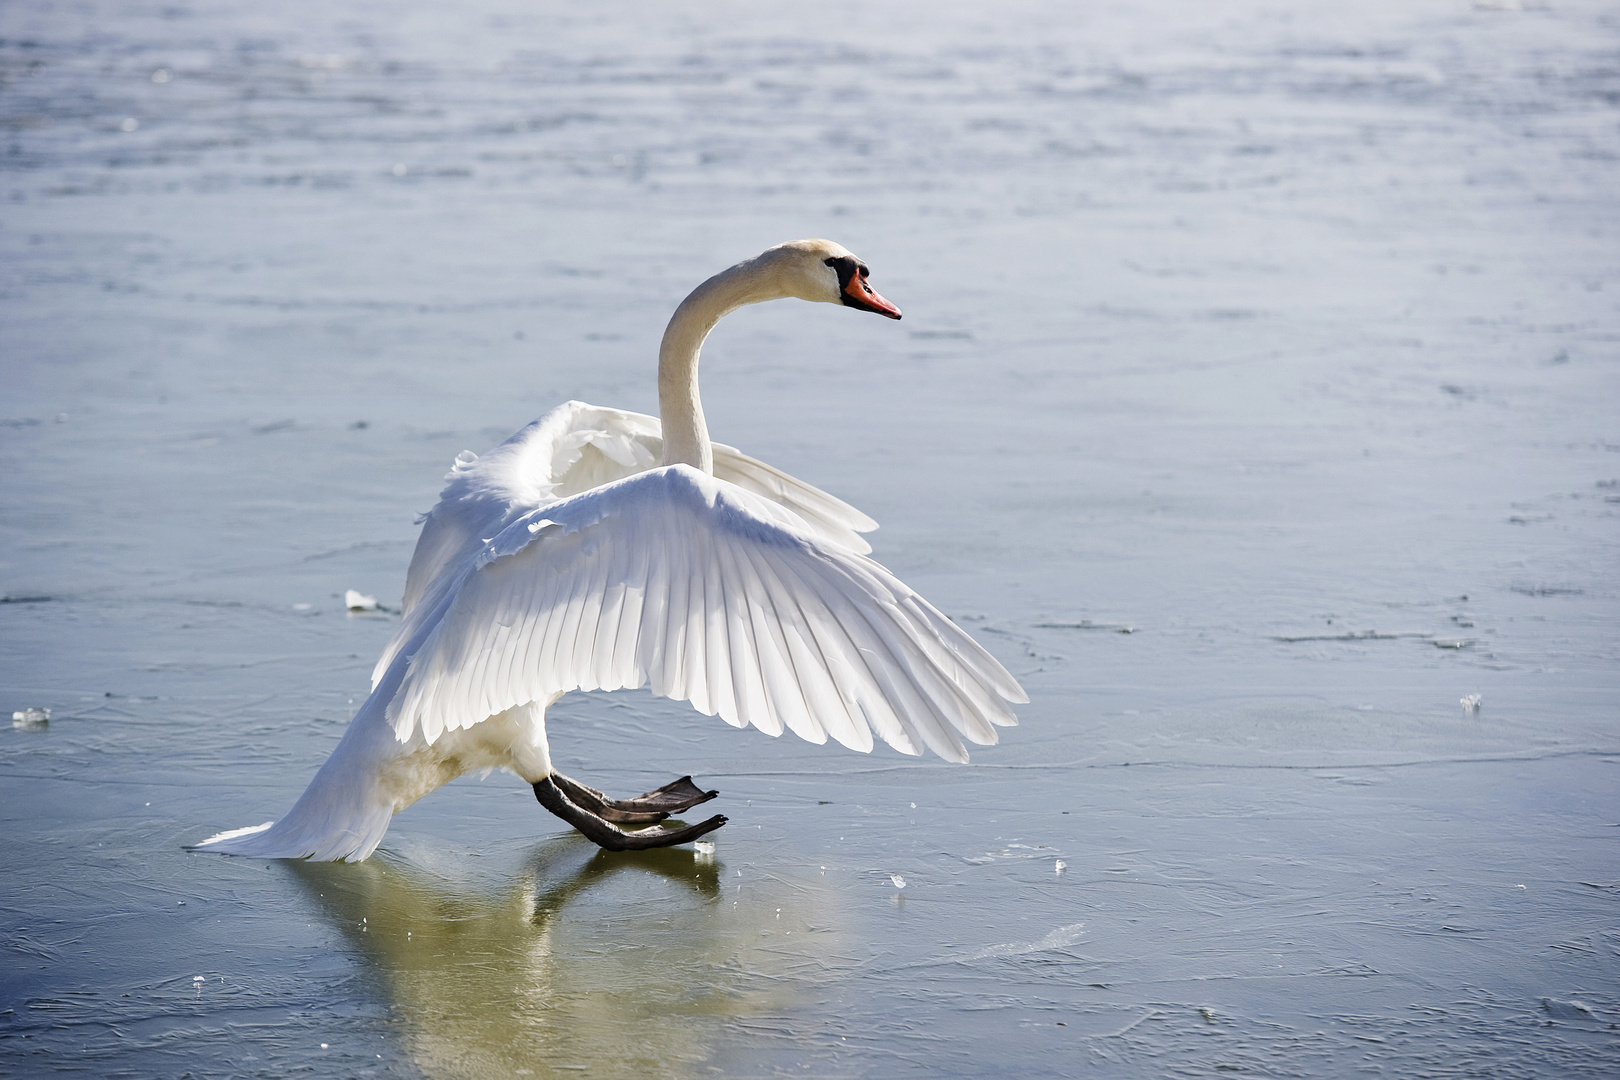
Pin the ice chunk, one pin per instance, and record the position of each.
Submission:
(1471, 703)
(355, 600)
(1059, 866)
(1568, 1010)
(30, 718)
(703, 848)
(899, 882)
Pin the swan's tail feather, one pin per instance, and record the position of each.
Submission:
(319, 833)
(344, 812)
(223, 842)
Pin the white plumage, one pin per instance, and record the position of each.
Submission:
(569, 558)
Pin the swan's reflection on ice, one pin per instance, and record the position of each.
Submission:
(617, 964)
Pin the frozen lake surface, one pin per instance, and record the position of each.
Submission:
(1257, 400)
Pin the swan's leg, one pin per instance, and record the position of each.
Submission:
(610, 836)
(587, 809)
(655, 805)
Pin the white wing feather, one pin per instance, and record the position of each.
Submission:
(706, 592)
(574, 448)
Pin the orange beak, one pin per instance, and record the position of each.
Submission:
(858, 294)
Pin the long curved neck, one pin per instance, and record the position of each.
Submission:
(686, 435)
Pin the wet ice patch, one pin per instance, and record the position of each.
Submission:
(1571, 1010)
(1471, 703)
(1012, 850)
(1061, 938)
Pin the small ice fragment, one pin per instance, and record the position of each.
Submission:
(198, 978)
(30, 718)
(302, 607)
(161, 75)
(899, 882)
(704, 848)
(1471, 703)
(323, 1046)
(355, 600)
(1059, 866)
(129, 124)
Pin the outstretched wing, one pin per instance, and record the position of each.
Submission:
(571, 449)
(710, 594)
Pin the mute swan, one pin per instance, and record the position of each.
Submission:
(597, 549)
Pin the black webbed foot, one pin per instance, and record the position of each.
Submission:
(605, 834)
(655, 805)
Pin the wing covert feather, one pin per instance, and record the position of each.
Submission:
(569, 450)
(706, 592)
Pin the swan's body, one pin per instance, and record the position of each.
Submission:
(601, 549)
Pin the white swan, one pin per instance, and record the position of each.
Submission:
(596, 549)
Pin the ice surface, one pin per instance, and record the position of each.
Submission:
(1255, 401)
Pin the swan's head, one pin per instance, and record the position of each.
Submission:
(825, 272)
